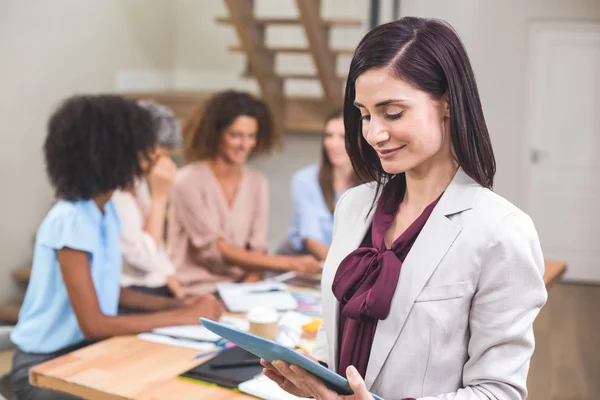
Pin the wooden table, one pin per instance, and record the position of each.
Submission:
(131, 368)
(127, 368)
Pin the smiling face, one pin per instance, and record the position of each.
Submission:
(238, 140)
(408, 129)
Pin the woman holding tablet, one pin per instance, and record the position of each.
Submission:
(433, 281)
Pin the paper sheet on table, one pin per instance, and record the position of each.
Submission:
(264, 388)
(241, 297)
(152, 337)
(289, 329)
(191, 332)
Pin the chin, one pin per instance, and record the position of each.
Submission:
(395, 167)
(237, 160)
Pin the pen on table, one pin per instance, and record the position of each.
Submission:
(259, 291)
(226, 346)
(237, 364)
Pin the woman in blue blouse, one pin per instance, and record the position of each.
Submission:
(95, 145)
(315, 190)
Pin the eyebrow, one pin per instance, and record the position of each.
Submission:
(382, 103)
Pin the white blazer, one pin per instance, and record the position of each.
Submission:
(461, 320)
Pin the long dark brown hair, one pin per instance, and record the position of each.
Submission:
(204, 130)
(326, 168)
(428, 54)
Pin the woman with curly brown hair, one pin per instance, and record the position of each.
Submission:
(94, 146)
(219, 207)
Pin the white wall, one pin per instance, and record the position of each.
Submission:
(496, 37)
(49, 50)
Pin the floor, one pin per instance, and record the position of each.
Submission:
(566, 363)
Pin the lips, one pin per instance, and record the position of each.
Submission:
(387, 153)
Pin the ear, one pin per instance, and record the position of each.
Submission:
(446, 105)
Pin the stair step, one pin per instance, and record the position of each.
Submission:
(304, 114)
(293, 50)
(22, 274)
(295, 76)
(10, 312)
(182, 103)
(329, 22)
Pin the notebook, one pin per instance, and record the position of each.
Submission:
(264, 388)
(241, 297)
(227, 377)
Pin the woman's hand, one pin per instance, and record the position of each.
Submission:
(202, 305)
(304, 264)
(298, 382)
(273, 374)
(162, 176)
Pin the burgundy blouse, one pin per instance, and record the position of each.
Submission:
(366, 279)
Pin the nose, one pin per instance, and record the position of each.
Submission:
(246, 144)
(375, 133)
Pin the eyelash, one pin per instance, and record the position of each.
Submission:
(392, 117)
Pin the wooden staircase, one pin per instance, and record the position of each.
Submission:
(261, 59)
(292, 113)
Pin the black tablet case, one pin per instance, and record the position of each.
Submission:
(226, 377)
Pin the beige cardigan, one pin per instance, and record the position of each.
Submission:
(199, 215)
(144, 262)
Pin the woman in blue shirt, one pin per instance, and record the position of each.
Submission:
(315, 190)
(95, 145)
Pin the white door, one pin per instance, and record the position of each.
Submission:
(564, 127)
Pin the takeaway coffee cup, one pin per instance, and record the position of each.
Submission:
(263, 322)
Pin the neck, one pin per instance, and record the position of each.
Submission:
(102, 199)
(223, 169)
(427, 182)
(343, 177)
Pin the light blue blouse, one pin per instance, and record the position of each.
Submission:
(47, 322)
(311, 218)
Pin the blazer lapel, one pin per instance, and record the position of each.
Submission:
(433, 242)
(349, 240)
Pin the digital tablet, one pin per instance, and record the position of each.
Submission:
(271, 351)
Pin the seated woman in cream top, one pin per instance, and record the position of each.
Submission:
(433, 281)
(218, 218)
(146, 265)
